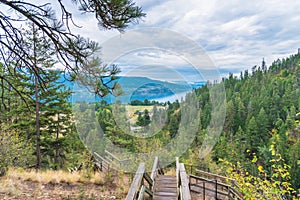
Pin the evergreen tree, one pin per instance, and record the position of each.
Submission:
(252, 134)
(263, 126)
(52, 110)
(40, 52)
(146, 117)
(140, 119)
(143, 119)
(55, 120)
(173, 126)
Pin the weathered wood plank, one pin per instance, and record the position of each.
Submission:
(177, 169)
(214, 176)
(112, 155)
(154, 168)
(165, 188)
(142, 193)
(186, 195)
(136, 183)
(98, 157)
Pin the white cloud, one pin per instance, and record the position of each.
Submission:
(236, 31)
(236, 34)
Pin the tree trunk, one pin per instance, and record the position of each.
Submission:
(38, 133)
(37, 106)
(56, 143)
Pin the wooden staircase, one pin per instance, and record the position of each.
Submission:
(159, 186)
(165, 188)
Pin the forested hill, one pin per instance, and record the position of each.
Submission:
(262, 121)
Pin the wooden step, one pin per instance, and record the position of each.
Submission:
(166, 177)
(168, 194)
(164, 198)
(165, 188)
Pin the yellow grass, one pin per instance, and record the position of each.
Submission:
(65, 184)
(50, 176)
(130, 110)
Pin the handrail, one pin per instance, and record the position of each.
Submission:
(182, 181)
(107, 160)
(138, 188)
(102, 159)
(101, 163)
(219, 177)
(156, 169)
(220, 188)
(136, 183)
(177, 170)
(215, 176)
(115, 157)
(185, 191)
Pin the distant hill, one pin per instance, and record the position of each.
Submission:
(141, 88)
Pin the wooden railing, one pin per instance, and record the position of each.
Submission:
(114, 159)
(191, 169)
(213, 188)
(182, 182)
(109, 161)
(101, 163)
(142, 183)
(156, 169)
(212, 176)
(138, 187)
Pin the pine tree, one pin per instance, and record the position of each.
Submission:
(146, 117)
(55, 118)
(252, 133)
(52, 110)
(263, 126)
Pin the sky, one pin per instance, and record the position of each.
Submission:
(236, 35)
(232, 35)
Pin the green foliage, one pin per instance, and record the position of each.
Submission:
(14, 151)
(146, 102)
(261, 110)
(265, 185)
(143, 119)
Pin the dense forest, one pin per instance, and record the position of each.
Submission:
(261, 130)
(259, 144)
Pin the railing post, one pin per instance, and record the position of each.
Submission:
(184, 183)
(154, 168)
(177, 172)
(216, 189)
(204, 190)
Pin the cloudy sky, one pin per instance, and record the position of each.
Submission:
(235, 34)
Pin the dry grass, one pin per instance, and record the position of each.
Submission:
(50, 176)
(18, 183)
(132, 109)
